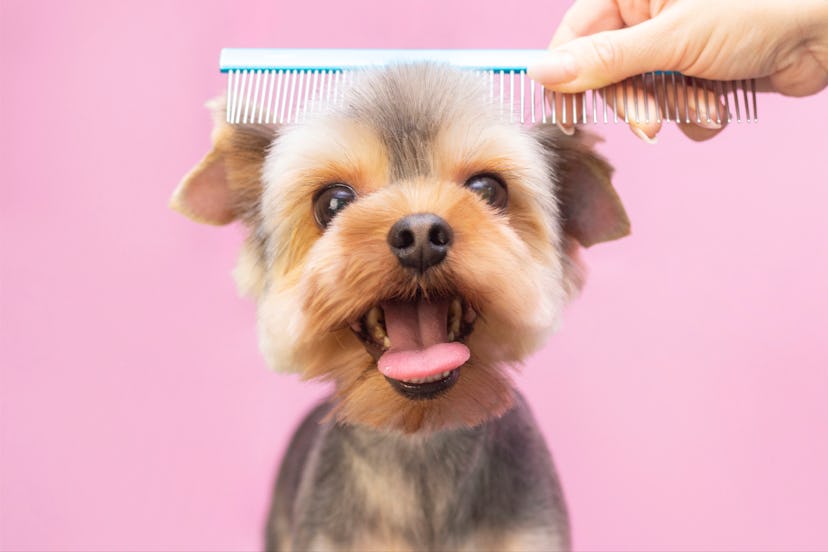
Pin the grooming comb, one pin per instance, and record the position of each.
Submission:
(286, 85)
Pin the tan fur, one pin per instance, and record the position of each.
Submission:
(350, 270)
(227, 184)
(516, 268)
(381, 489)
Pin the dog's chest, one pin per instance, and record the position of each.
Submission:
(486, 488)
(365, 487)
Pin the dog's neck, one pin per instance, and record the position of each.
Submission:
(418, 480)
(420, 451)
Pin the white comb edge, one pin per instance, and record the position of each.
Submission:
(322, 75)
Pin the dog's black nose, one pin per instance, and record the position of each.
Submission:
(420, 241)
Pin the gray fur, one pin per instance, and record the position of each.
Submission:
(407, 117)
(494, 478)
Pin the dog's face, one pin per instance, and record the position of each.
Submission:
(409, 245)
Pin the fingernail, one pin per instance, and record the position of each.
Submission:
(557, 67)
(568, 130)
(640, 133)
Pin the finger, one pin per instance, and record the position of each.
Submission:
(600, 59)
(647, 101)
(566, 110)
(695, 104)
(634, 102)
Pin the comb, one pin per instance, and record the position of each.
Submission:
(276, 86)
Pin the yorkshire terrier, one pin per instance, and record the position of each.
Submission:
(411, 246)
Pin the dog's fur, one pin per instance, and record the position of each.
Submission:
(373, 468)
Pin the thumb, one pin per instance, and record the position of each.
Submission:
(607, 57)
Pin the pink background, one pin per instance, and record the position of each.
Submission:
(685, 399)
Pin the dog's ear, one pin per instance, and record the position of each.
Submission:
(226, 185)
(591, 210)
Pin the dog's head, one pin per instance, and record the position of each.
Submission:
(409, 244)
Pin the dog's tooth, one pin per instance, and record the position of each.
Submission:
(455, 308)
(378, 334)
(373, 321)
(469, 316)
(372, 318)
(451, 336)
(455, 312)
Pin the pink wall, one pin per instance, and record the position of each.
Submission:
(685, 399)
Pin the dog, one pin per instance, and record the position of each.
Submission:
(411, 246)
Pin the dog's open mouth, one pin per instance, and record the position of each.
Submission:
(418, 345)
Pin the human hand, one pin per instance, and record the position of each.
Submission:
(783, 45)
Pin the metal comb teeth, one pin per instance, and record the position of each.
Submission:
(284, 95)
(286, 86)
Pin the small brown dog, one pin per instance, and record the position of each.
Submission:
(411, 246)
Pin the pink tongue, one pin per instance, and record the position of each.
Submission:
(419, 341)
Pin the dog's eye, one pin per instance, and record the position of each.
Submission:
(330, 201)
(490, 188)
